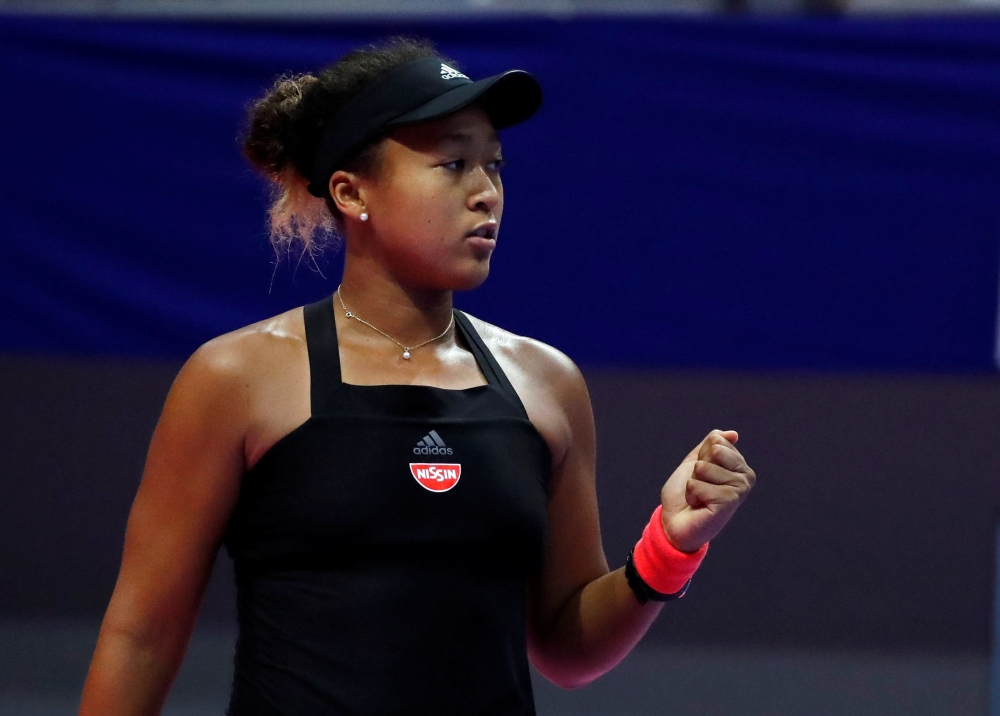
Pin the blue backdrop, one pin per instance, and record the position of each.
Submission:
(694, 193)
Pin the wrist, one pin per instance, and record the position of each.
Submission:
(677, 544)
(662, 566)
(642, 591)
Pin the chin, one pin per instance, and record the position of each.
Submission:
(470, 280)
(461, 275)
(464, 274)
(474, 277)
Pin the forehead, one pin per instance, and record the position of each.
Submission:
(467, 127)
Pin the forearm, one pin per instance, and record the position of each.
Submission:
(593, 632)
(129, 677)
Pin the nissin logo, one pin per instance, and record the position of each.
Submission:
(432, 444)
(436, 478)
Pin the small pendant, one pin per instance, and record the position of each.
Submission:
(406, 355)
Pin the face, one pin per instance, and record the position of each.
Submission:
(435, 201)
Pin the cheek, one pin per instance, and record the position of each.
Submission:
(422, 210)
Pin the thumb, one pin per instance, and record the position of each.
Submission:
(730, 435)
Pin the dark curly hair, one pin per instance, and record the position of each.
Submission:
(284, 128)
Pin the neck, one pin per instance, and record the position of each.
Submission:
(407, 313)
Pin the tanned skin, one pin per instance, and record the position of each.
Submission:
(433, 185)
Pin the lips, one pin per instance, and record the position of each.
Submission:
(486, 230)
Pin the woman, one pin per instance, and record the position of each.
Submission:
(407, 492)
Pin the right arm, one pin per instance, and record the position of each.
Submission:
(188, 490)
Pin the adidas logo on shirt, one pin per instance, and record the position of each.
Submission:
(432, 444)
(435, 477)
(450, 73)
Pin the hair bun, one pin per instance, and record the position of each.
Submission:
(269, 136)
(285, 126)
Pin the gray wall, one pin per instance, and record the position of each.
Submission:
(871, 526)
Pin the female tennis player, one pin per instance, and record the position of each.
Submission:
(406, 491)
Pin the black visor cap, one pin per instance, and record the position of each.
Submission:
(509, 98)
(420, 91)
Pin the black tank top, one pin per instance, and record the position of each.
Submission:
(382, 548)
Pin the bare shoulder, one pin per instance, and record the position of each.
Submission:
(233, 376)
(549, 384)
(248, 387)
(250, 352)
(538, 362)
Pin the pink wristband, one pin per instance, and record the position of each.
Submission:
(661, 565)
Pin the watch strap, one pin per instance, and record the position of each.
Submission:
(643, 592)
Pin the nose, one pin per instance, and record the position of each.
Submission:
(487, 191)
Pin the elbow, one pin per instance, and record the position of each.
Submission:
(574, 682)
(565, 672)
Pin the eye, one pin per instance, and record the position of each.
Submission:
(459, 165)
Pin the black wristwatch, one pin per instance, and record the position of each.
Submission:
(645, 593)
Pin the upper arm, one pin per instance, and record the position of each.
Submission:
(189, 486)
(574, 555)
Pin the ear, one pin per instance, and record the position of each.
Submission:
(347, 193)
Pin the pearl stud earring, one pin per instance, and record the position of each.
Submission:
(364, 216)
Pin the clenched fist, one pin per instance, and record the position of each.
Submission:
(705, 490)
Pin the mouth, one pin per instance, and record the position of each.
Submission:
(486, 230)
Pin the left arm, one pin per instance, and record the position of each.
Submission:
(583, 619)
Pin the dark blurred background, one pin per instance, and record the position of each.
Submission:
(778, 216)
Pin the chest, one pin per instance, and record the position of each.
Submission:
(281, 404)
(398, 470)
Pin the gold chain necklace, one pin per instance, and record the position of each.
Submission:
(406, 349)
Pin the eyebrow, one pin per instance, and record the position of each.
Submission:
(465, 137)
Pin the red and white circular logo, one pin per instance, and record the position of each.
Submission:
(436, 477)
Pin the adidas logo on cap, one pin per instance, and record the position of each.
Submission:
(450, 73)
(432, 444)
